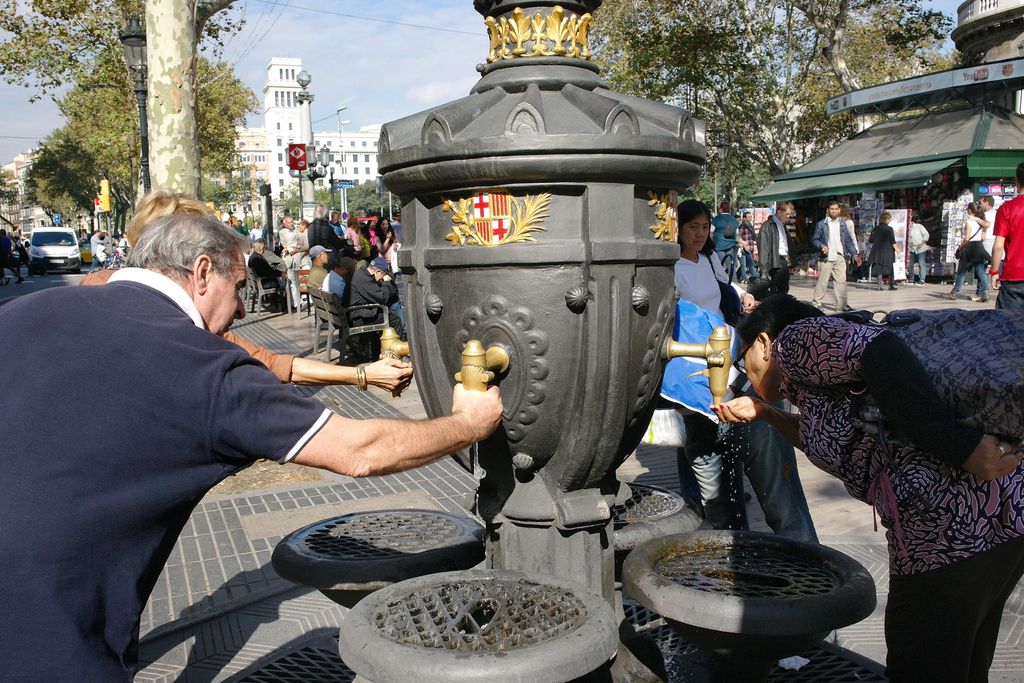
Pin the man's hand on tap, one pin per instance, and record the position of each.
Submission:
(480, 409)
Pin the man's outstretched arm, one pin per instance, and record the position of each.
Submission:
(362, 448)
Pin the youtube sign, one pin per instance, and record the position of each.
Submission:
(297, 157)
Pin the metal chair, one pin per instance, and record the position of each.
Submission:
(256, 291)
(327, 308)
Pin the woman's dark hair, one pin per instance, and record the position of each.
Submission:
(974, 210)
(772, 316)
(760, 288)
(689, 209)
(378, 230)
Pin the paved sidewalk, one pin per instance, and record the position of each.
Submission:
(219, 612)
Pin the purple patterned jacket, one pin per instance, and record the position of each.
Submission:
(934, 514)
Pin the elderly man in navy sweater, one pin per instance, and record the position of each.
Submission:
(87, 524)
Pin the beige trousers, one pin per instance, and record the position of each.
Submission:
(835, 270)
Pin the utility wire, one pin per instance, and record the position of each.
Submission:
(380, 21)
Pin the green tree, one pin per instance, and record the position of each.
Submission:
(101, 138)
(759, 72)
(364, 200)
(48, 45)
(10, 197)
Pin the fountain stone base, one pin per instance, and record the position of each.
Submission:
(748, 599)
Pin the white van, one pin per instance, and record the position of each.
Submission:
(54, 249)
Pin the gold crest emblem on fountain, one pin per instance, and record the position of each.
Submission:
(667, 227)
(490, 219)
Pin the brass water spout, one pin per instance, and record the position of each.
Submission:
(391, 345)
(717, 352)
(480, 366)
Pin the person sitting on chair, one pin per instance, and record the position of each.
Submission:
(260, 264)
(318, 273)
(374, 285)
(338, 277)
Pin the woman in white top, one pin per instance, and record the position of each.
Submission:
(973, 255)
(714, 456)
(697, 274)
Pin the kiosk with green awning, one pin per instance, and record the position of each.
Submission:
(908, 152)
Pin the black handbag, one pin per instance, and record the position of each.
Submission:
(962, 249)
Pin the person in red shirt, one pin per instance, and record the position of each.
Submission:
(1008, 250)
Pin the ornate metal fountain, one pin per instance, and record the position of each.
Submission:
(539, 218)
(539, 243)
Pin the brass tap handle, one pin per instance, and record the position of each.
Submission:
(480, 366)
(717, 352)
(391, 346)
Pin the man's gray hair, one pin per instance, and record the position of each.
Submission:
(320, 211)
(171, 245)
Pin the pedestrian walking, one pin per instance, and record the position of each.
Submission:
(972, 255)
(724, 231)
(774, 248)
(832, 240)
(6, 259)
(918, 249)
(1007, 269)
(883, 250)
(747, 240)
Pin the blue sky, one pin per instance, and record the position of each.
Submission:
(356, 53)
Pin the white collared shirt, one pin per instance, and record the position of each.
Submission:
(166, 286)
(783, 238)
(835, 240)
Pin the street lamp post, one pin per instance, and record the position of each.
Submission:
(305, 99)
(134, 41)
(721, 152)
(341, 158)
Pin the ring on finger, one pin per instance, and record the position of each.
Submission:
(1003, 450)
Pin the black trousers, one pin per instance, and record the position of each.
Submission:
(780, 279)
(942, 625)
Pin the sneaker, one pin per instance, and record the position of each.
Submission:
(919, 284)
(981, 299)
(892, 288)
(816, 304)
(847, 309)
(953, 295)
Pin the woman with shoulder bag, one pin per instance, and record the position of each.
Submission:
(931, 440)
(972, 254)
(883, 250)
(716, 456)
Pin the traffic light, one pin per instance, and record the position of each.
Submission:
(265, 190)
(104, 195)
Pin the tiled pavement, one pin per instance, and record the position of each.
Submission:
(220, 612)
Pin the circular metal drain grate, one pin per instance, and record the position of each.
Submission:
(480, 615)
(647, 504)
(747, 571)
(373, 535)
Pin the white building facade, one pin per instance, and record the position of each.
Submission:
(354, 153)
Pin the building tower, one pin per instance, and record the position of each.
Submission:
(281, 116)
(991, 31)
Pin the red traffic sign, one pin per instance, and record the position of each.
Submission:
(297, 157)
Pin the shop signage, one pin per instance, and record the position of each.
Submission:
(931, 83)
